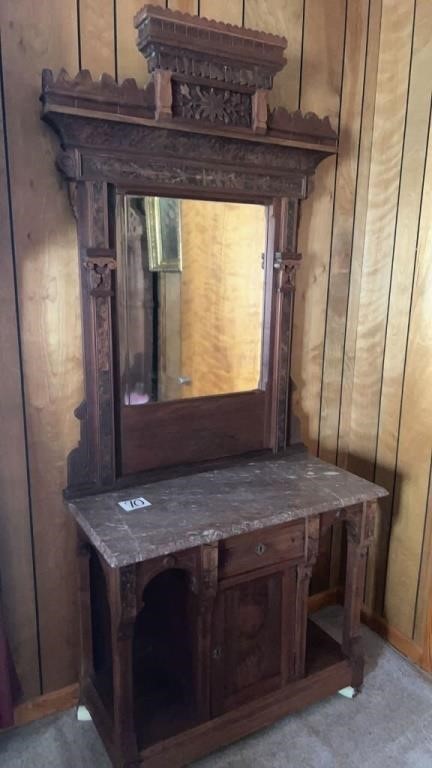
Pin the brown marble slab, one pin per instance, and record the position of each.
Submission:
(197, 509)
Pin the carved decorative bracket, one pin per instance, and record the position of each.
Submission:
(100, 263)
(287, 263)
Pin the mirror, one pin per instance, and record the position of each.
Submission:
(191, 277)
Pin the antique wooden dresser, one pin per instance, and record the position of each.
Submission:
(198, 513)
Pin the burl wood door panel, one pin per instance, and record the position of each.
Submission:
(253, 638)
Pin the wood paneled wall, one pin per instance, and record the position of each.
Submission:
(362, 356)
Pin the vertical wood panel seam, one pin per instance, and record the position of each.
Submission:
(243, 13)
(428, 498)
(394, 241)
(332, 233)
(115, 40)
(353, 228)
(406, 353)
(20, 358)
(301, 55)
(79, 33)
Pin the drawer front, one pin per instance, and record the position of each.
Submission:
(249, 551)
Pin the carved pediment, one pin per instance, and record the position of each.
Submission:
(198, 47)
(102, 95)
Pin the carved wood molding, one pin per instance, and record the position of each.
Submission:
(103, 95)
(188, 100)
(302, 126)
(200, 128)
(199, 47)
(100, 263)
(87, 133)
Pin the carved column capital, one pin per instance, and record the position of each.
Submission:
(100, 263)
(287, 265)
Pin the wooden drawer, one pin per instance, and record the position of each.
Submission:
(249, 551)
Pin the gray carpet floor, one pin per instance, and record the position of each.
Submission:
(389, 725)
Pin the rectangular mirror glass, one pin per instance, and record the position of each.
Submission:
(191, 277)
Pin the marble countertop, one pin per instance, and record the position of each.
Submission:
(197, 509)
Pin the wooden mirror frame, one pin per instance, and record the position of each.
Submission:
(200, 129)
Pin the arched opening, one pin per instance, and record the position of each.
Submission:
(164, 652)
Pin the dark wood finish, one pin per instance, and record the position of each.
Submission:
(304, 574)
(199, 129)
(224, 53)
(184, 431)
(360, 530)
(247, 719)
(91, 464)
(247, 620)
(208, 634)
(252, 655)
(122, 597)
(241, 554)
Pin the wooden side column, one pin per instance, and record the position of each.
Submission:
(207, 595)
(360, 528)
(123, 603)
(84, 607)
(304, 574)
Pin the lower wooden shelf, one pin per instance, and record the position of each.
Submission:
(321, 649)
(327, 671)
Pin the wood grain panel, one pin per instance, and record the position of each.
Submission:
(323, 51)
(359, 229)
(423, 618)
(343, 221)
(388, 136)
(185, 6)
(130, 62)
(17, 588)
(36, 36)
(229, 11)
(282, 18)
(404, 255)
(96, 36)
(164, 434)
(415, 439)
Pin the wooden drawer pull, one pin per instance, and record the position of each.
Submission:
(260, 549)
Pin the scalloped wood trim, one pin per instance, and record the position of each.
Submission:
(296, 124)
(156, 11)
(105, 89)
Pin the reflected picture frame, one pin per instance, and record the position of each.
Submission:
(163, 227)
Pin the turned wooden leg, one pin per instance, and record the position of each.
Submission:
(123, 605)
(360, 526)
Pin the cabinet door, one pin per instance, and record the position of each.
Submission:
(253, 637)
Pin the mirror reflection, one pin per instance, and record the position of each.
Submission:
(190, 297)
